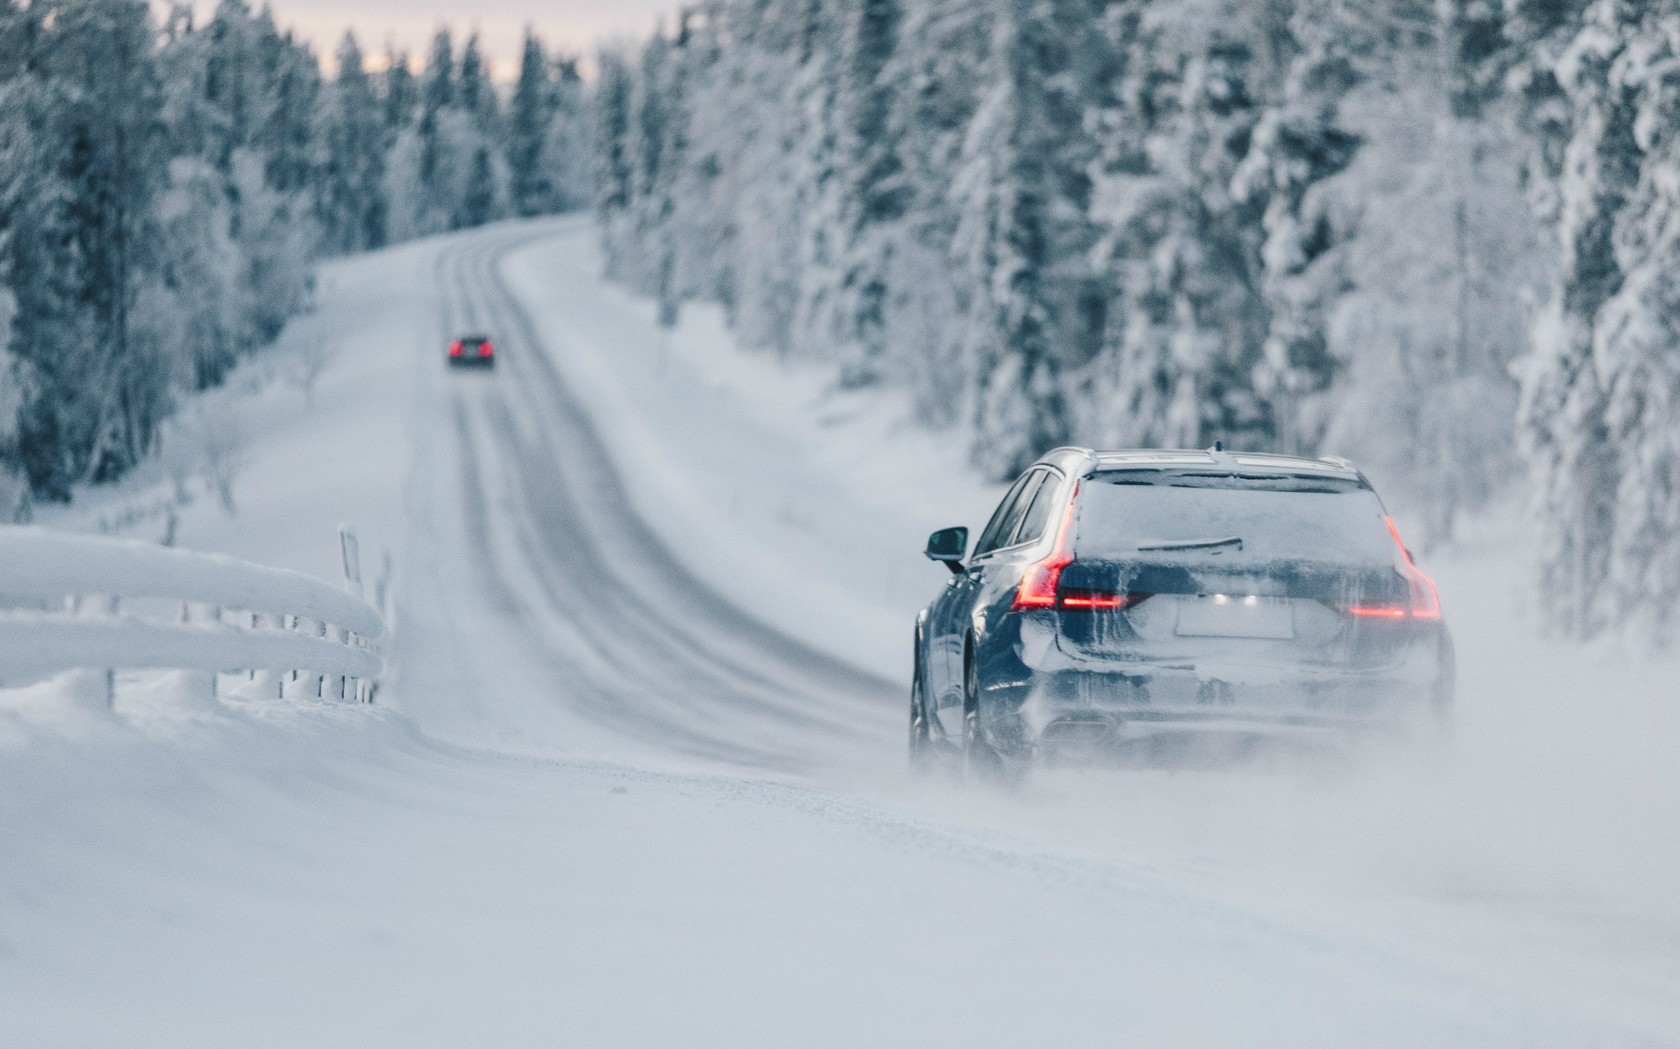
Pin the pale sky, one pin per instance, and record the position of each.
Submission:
(571, 25)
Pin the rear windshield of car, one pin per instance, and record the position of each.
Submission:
(1199, 516)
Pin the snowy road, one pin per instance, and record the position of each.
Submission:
(620, 629)
(622, 796)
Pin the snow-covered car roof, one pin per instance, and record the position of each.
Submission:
(1146, 458)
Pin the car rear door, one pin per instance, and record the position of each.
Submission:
(948, 629)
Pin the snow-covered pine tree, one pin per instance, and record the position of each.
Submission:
(350, 192)
(16, 51)
(398, 94)
(794, 296)
(437, 81)
(20, 29)
(566, 140)
(699, 257)
(445, 172)
(613, 167)
(476, 96)
(427, 168)
(1442, 258)
(1603, 385)
(290, 96)
(1185, 317)
(1567, 432)
(656, 140)
(79, 208)
(872, 187)
(51, 333)
(1024, 235)
(531, 187)
(1296, 146)
(1127, 391)
(748, 227)
(938, 88)
(478, 202)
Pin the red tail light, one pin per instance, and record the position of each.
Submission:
(455, 348)
(1041, 585)
(1038, 585)
(1423, 600)
(1426, 600)
(485, 349)
(1097, 600)
(1378, 611)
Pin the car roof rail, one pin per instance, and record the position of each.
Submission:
(1070, 451)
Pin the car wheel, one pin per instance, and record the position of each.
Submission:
(921, 745)
(981, 763)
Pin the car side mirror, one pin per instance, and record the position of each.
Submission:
(947, 546)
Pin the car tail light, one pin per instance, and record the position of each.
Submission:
(1097, 600)
(455, 348)
(485, 349)
(1039, 582)
(1423, 600)
(1378, 611)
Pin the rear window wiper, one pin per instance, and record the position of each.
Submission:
(1191, 544)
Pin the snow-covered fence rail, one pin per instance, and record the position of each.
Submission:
(121, 605)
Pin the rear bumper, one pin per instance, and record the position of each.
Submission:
(1061, 704)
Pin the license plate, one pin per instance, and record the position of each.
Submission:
(1235, 615)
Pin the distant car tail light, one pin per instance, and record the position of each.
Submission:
(455, 348)
(485, 349)
(1423, 600)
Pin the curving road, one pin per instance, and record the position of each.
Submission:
(584, 591)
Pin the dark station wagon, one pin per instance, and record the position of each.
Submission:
(1160, 602)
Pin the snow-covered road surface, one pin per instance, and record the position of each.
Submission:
(640, 780)
(577, 594)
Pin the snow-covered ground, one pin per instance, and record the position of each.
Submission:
(637, 776)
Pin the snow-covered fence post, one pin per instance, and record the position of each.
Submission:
(350, 549)
(113, 605)
(351, 552)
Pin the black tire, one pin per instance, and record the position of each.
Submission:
(980, 762)
(921, 742)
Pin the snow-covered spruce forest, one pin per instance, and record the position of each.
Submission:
(165, 188)
(1440, 237)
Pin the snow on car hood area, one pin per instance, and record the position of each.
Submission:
(636, 775)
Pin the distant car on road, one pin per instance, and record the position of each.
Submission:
(472, 350)
(1164, 603)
